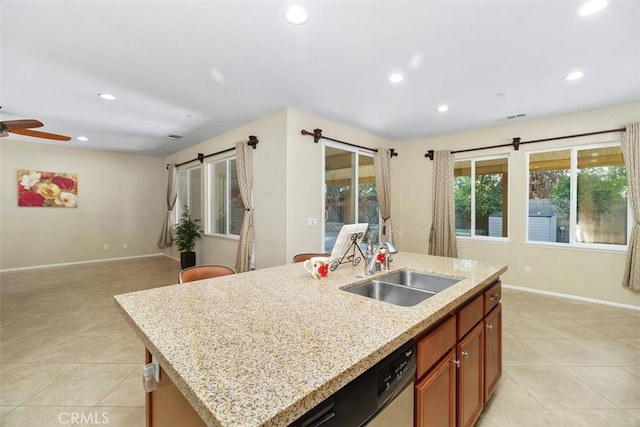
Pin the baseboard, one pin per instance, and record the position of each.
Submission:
(574, 297)
(62, 264)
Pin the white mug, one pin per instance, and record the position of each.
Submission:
(317, 266)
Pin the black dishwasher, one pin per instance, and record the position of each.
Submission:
(360, 401)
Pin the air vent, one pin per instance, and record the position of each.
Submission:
(173, 137)
(516, 116)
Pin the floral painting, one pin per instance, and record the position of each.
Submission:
(47, 189)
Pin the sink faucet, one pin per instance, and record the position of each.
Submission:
(370, 262)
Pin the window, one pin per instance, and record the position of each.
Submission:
(225, 208)
(481, 197)
(344, 171)
(578, 196)
(189, 185)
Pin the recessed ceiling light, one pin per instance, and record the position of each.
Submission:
(107, 96)
(443, 108)
(296, 15)
(83, 138)
(574, 75)
(593, 6)
(396, 77)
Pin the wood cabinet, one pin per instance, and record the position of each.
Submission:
(460, 362)
(436, 394)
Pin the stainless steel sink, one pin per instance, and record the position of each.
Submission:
(426, 282)
(388, 292)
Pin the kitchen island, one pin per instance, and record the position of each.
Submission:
(264, 347)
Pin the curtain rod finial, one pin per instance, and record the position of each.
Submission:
(253, 141)
(516, 144)
(430, 154)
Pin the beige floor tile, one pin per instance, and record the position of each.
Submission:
(129, 392)
(22, 349)
(635, 413)
(4, 367)
(563, 352)
(32, 416)
(508, 394)
(614, 328)
(128, 349)
(555, 388)
(75, 349)
(110, 326)
(4, 410)
(526, 327)
(569, 328)
(518, 418)
(617, 352)
(635, 370)
(633, 342)
(516, 352)
(603, 418)
(612, 382)
(117, 416)
(84, 386)
(26, 380)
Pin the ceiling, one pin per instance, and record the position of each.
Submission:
(201, 68)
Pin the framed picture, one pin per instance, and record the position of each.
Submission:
(47, 189)
(349, 234)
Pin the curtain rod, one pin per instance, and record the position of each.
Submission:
(253, 141)
(516, 143)
(317, 135)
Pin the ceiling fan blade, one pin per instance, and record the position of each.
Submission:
(10, 125)
(39, 134)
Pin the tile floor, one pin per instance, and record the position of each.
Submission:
(66, 354)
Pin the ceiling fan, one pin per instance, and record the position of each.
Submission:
(24, 127)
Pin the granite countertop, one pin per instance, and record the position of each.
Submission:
(264, 347)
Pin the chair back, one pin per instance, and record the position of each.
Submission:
(306, 256)
(208, 271)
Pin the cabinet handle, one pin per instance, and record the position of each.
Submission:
(456, 362)
(495, 297)
(465, 353)
(489, 326)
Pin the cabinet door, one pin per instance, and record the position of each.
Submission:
(492, 350)
(436, 395)
(470, 376)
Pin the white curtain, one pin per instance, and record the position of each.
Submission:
(442, 238)
(631, 152)
(245, 257)
(382, 168)
(166, 234)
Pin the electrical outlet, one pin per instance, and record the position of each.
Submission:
(106, 247)
(527, 269)
(312, 221)
(124, 245)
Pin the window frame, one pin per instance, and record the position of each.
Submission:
(473, 160)
(178, 209)
(356, 168)
(573, 174)
(210, 193)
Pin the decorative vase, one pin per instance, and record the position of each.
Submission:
(187, 259)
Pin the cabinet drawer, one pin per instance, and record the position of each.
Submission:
(492, 297)
(470, 315)
(433, 346)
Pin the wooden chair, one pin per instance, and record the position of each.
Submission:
(208, 271)
(306, 256)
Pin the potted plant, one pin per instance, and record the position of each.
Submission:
(187, 231)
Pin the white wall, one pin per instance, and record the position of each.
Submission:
(269, 196)
(304, 175)
(119, 201)
(576, 272)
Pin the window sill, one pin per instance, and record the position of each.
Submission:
(582, 248)
(494, 240)
(223, 236)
